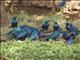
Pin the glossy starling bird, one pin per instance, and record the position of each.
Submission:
(45, 25)
(71, 28)
(14, 22)
(55, 26)
(69, 37)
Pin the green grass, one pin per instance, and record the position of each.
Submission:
(39, 50)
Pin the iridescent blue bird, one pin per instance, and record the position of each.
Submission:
(69, 37)
(55, 26)
(14, 22)
(54, 35)
(45, 25)
(57, 32)
(20, 32)
(71, 28)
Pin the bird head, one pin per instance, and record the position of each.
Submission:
(65, 35)
(14, 17)
(73, 34)
(47, 21)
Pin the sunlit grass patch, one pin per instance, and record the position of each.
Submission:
(39, 50)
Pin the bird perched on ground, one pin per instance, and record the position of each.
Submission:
(55, 26)
(71, 28)
(57, 32)
(14, 22)
(69, 37)
(19, 33)
(45, 25)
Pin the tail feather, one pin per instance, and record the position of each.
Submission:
(9, 35)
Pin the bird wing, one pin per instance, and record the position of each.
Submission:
(34, 35)
(22, 35)
(54, 35)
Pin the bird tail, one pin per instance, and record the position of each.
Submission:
(9, 35)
